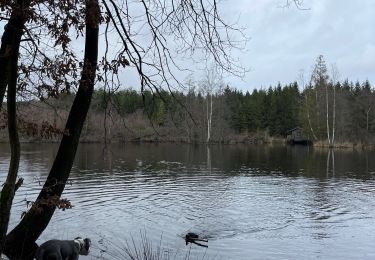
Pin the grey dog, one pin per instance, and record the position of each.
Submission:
(63, 249)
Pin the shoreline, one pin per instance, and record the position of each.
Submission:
(244, 141)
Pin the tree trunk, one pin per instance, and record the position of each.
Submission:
(327, 116)
(7, 193)
(9, 42)
(367, 119)
(308, 118)
(35, 221)
(209, 116)
(333, 163)
(317, 107)
(333, 116)
(335, 75)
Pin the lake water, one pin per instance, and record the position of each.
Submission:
(250, 202)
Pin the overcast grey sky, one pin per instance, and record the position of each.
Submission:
(285, 40)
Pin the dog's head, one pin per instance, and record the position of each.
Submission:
(84, 245)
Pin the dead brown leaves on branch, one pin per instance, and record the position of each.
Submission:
(50, 202)
(45, 130)
(49, 64)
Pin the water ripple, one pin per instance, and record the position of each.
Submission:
(262, 208)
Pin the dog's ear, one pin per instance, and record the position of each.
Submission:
(77, 238)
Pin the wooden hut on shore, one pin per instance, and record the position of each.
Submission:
(296, 136)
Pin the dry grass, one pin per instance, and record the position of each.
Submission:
(142, 248)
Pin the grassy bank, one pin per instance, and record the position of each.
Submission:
(345, 145)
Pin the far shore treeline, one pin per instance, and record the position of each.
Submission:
(257, 117)
(331, 113)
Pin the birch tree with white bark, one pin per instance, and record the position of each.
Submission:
(210, 86)
(335, 79)
(302, 82)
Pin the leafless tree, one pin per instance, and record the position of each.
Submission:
(334, 79)
(302, 82)
(211, 86)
